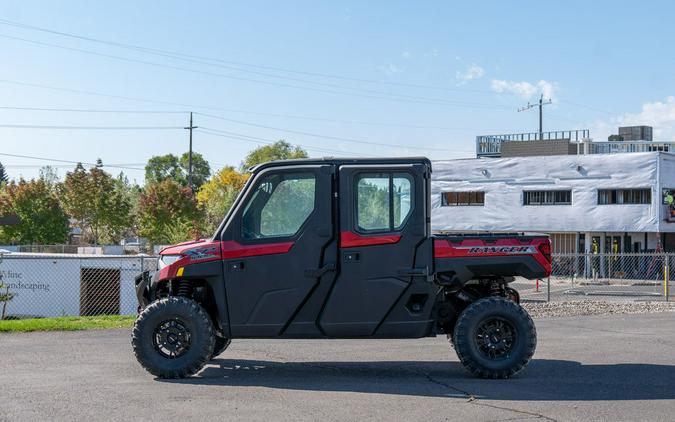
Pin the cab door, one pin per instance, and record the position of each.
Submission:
(273, 247)
(383, 212)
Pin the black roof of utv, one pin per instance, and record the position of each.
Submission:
(343, 161)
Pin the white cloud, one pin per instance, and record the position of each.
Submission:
(407, 55)
(658, 114)
(472, 72)
(391, 69)
(547, 88)
(525, 90)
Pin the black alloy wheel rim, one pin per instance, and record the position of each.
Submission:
(171, 338)
(495, 338)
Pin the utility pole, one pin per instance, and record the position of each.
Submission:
(190, 153)
(541, 105)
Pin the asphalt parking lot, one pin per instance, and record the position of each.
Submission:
(619, 367)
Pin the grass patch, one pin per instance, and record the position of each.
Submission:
(70, 323)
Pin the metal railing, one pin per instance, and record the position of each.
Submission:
(621, 147)
(491, 145)
(626, 276)
(70, 285)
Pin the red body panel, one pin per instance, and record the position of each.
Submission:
(201, 251)
(190, 252)
(476, 247)
(232, 249)
(350, 239)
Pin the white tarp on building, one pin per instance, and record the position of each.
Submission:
(503, 180)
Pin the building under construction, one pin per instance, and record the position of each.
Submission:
(589, 197)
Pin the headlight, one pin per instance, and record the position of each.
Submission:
(165, 260)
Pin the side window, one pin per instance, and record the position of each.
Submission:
(279, 206)
(383, 201)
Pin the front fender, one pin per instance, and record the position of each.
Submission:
(142, 283)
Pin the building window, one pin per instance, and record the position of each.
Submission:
(453, 199)
(547, 197)
(624, 196)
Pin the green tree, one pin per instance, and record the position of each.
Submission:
(280, 150)
(201, 171)
(49, 175)
(43, 221)
(217, 195)
(168, 213)
(163, 167)
(3, 175)
(373, 200)
(100, 208)
(132, 192)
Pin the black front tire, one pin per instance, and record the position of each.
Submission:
(494, 338)
(173, 338)
(220, 345)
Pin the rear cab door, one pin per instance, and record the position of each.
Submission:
(383, 223)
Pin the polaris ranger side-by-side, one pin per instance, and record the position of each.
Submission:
(338, 248)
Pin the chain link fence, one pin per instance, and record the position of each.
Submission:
(70, 285)
(128, 249)
(47, 285)
(626, 276)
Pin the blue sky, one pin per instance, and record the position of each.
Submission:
(401, 78)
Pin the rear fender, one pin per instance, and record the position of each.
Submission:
(462, 260)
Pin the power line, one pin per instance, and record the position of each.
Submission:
(289, 116)
(205, 107)
(10, 126)
(38, 166)
(315, 135)
(216, 116)
(14, 126)
(79, 91)
(183, 56)
(230, 133)
(89, 110)
(380, 95)
(610, 113)
(541, 105)
(246, 138)
(56, 160)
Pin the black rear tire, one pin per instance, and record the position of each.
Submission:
(494, 338)
(220, 345)
(173, 338)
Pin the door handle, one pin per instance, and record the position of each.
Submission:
(318, 272)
